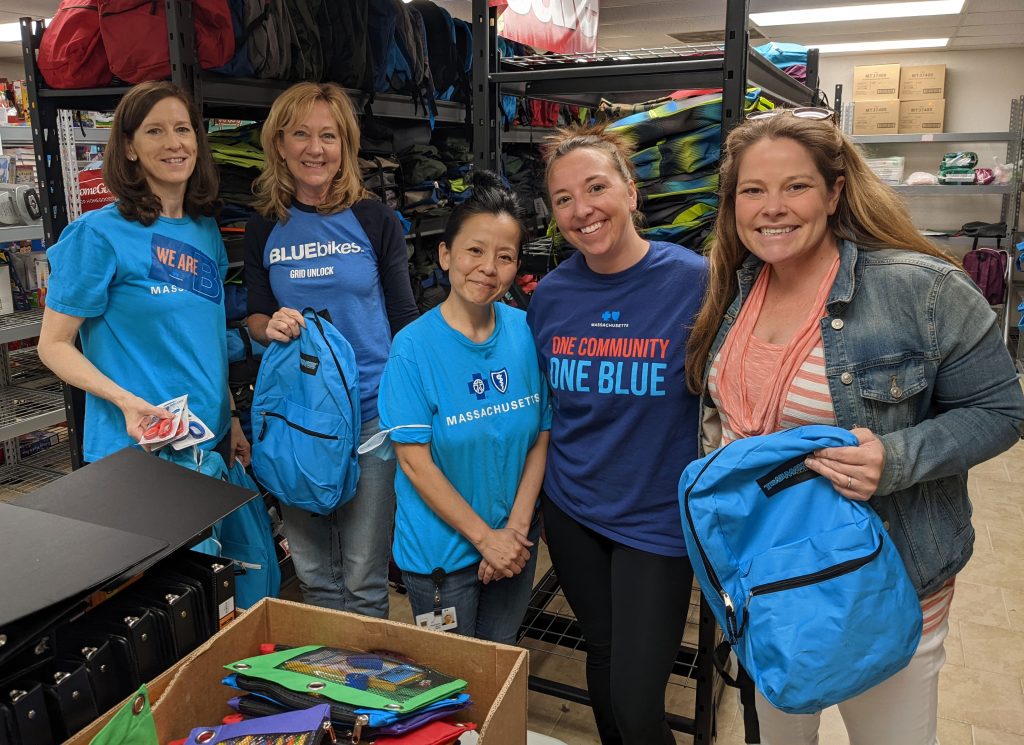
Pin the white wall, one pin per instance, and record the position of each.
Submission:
(979, 87)
(12, 69)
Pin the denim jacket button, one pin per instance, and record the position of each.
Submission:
(837, 323)
(885, 524)
(846, 377)
(896, 391)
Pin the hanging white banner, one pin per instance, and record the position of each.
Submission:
(564, 26)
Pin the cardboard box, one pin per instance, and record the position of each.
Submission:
(190, 693)
(920, 117)
(876, 82)
(876, 117)
(923, 83)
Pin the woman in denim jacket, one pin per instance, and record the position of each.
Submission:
(825, 306)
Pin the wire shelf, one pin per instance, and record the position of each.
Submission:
(619, 56)
(22, 325)
(19, 479)
(28, 371)
(23, 410)
(56, 458)
(550, 628)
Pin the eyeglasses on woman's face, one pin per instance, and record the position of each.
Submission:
(817, 113)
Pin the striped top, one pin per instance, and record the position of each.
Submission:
(807, 401)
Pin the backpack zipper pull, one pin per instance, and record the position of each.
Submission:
(730, 616)
(263, 429)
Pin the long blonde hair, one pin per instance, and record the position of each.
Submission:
(275, 186)
(869, 213)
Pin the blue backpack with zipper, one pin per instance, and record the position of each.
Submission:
(809, 590)
(306, 419)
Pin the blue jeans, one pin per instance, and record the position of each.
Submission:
(493, 612)
(341, 559)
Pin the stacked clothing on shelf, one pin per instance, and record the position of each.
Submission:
(790, 58)
(678, 148)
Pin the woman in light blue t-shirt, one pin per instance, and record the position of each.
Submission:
(466, 407)
(140, 281)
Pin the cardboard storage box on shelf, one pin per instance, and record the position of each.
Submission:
(876, 82)
(6, 295)
(923, 83)
(876, 117)
(921, 117)
(190, 693)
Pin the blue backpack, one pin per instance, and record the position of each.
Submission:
(811, 594)
(305, 415)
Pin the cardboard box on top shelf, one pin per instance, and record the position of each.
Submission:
(876, 117)
(922, 117)
(923, 83)
(190, 693)
(876, 82)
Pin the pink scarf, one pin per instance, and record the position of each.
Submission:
(747, 418)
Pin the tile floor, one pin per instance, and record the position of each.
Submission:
(981, 693)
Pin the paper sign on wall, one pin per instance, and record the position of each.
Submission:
(564, 26)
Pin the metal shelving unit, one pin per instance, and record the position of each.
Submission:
(633, 75)
(21, 325)
(1010, 194)
(9, 233)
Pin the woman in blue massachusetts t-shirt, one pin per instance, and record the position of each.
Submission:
(466, 407)
(140, 281)
(322, 241)
(611, 324)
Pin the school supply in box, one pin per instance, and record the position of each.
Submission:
(374, 681)
(307, 727)
(793, 571)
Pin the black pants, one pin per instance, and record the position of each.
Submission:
(631, 606)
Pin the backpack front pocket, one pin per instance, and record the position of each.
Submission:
(299, 447)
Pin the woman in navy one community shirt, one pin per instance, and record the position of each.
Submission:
(322, 241)
(610, 325)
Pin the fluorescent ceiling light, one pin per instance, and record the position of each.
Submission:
(858, 12)
(878, 46)
(11, 32)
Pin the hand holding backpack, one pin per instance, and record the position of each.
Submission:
(809, 590)
(306, 419)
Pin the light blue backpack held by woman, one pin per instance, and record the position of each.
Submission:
(810, 592)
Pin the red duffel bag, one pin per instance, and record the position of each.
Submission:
(135, 32)
(71, 53)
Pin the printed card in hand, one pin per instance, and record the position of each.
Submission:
(197, 432)
(162, 431)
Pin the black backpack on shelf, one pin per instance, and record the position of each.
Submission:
(446, 67)
(343, 38)
(307, 57)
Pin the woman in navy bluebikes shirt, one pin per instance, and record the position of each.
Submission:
(466, 407)
(323, 241)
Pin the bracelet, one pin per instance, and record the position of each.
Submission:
(234, 414)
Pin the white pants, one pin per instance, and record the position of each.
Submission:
(902, 710)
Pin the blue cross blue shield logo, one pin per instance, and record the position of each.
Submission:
(478, 387)
(499, 379)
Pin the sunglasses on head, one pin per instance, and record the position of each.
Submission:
(801, 112)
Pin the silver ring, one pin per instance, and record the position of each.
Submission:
(849, 482)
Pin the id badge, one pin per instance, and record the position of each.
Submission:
(443, 621)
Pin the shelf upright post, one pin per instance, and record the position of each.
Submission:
(181, 47)
(734, 66)
(486, 96)
(45, 143)
(812, 77)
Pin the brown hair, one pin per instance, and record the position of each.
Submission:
(869, 213)
(614, 144)
(126, 179)
(275, 186)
